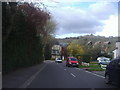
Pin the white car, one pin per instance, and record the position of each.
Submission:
(58, 60)
(103, 60)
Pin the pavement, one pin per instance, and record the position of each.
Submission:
(54, 75)
(17, 78)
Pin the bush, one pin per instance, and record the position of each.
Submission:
(84, 58)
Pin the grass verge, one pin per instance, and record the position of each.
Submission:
(93, 67)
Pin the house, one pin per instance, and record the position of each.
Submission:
(107, 42)
(117, 50)
(64, 50)
(89, 43)
(97, 43)
(56, 51)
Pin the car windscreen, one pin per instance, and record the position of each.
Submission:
(73, 59)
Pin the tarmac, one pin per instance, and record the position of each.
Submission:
(0, 80)
(99, 72)
(17, 78)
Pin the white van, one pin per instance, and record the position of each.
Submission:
(103, 60)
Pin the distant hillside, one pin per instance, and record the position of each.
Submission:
(90, 38)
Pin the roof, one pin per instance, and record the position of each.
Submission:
(71, 57)
(115, 59)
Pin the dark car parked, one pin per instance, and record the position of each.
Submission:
(112, 73)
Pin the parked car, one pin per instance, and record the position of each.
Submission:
(72, 61)
(112, 73)
(103, 60)
(58, 60)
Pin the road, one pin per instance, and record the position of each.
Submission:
(57, 75)
(0, 80)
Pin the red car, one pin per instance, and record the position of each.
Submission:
(72, 61)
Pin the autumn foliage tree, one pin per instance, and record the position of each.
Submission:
(74, 49)
(79, 51)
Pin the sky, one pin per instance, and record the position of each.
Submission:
(84, 17)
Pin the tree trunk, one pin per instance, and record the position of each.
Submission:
(44, 51)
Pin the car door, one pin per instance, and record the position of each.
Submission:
(111, 69)
(118, 72)
(115, 71)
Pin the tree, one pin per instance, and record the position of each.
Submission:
(79, 51)
(48, 48)
(41, 20)
(93, 51)
(8, 13)
(74, 49)
(24, 34)
(49, 29)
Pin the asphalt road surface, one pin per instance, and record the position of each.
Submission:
(57, 75)
(0, 80)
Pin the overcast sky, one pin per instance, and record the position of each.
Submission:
(75, 17)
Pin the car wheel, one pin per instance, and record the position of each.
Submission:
(107, 79)
(66, 65)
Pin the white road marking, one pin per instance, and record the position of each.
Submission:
(95, 74)
(65, 69)
(73, 75)
(29, 81)
(78, 68)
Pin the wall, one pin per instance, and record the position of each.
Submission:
(118, 49)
